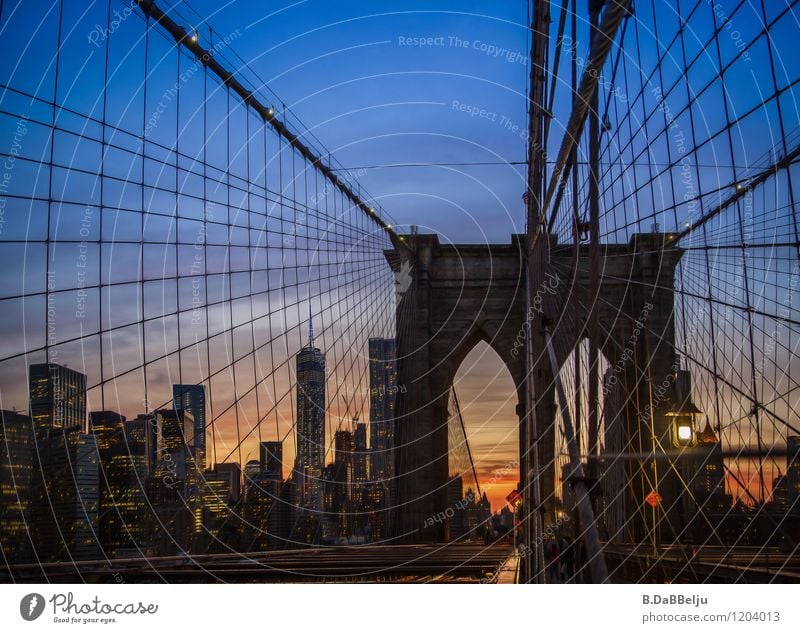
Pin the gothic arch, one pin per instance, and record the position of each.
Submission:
(458, 295)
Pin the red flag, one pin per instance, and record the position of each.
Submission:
(653, 499)
(513, 497)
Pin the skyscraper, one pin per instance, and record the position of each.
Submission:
(373, 501)
(233, 473)
(107, 428)
(382, 396)
(175, 487)
(175, 434)
(263, 513)
(86, 544)
(455, 501)
(57, 397)
(220, 520)
(16, 469)
(343, 447)
(708, 481)
(310, 423)
(271, 459)
(65, 478)
(193, 399)
(360, 453)
(343, 475)
(122, 450)
(793, 472)
(141, 435)
(141, 441)
(65, 495)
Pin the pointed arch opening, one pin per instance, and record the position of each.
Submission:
(486, 397)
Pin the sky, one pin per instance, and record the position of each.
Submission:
(405, 82)
(488, 401)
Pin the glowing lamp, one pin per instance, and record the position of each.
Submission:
(684, 424)
(685, 432)
(684, 414)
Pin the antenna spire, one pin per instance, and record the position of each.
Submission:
(310, 327)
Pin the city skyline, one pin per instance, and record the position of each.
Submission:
(126, 468)
(493, 434)
(488, 422)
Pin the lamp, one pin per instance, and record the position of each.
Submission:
(684, 414)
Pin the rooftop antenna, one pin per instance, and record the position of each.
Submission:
(310, 327)
(346, 412)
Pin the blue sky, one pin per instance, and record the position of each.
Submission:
(357, 76)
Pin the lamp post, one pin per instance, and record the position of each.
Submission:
(684, 414)
(684, 425)
(684, 417)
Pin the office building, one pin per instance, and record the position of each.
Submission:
(17, 445)
(108, 430)
(141, 435)
(271, 459)
(793, 472)
(263, 520)
(310, 423)
(232, 472)
(65, 498)
(65, 468)
(57, 397)
(360, 454)
(455, 505)
(192, 398)
(382, 402)
(220, 521)
(86, 540)
(175, 486)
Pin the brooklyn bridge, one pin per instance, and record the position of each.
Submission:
(223, 360)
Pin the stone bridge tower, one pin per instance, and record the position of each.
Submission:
(458, 295)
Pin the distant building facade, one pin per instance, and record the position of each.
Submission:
(310, 364)
(17, 446)
(192, 398)
(382, 402)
